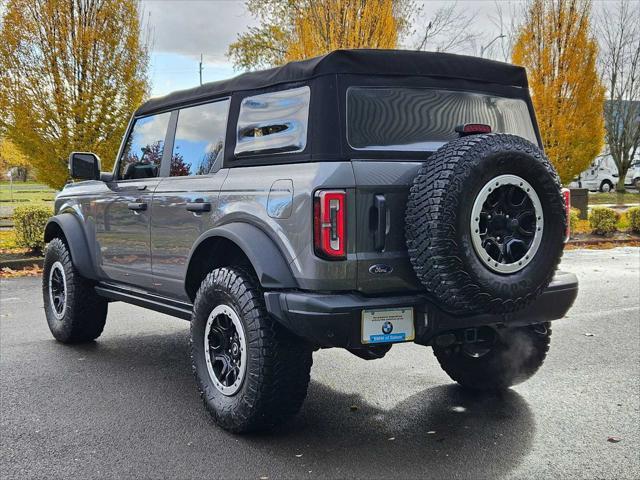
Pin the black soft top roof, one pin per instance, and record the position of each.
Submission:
(354, 62)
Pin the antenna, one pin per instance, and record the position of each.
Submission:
(200, 69)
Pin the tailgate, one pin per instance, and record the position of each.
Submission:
(382, 188)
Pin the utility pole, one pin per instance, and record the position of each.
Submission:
(200, 69)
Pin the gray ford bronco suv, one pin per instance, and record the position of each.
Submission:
(355, 200)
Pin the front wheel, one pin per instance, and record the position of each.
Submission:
(252, 373)
(497, 358)
(606, 186)
(75, 312)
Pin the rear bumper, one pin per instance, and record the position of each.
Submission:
(334, 320)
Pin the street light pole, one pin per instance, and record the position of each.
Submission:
(483, 49)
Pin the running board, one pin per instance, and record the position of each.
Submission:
(147, 300)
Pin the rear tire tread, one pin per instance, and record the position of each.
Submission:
(280, 375)
(494, 373)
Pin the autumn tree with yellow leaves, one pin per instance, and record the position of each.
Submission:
(71, 74)
(298, 29)
(556, 46)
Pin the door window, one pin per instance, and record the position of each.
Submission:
(143, 151)
(199, 140)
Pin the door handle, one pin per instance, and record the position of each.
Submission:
(380, 203)
(199, 207)
(137, 206)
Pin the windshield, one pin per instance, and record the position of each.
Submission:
(419, 119)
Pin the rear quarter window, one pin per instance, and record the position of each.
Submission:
(422, 119)
(274, 122)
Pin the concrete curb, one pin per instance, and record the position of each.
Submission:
(605, 242)
(20, 263)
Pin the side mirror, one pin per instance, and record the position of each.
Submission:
(84, 166)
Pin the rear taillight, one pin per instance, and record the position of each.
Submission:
(566, 194)
(329, 229)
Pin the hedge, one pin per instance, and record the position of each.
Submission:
(574, 218)
(603, 220)
(29, 222)
(633, 215)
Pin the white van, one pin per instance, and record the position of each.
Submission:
(601, 176)
(632, 178)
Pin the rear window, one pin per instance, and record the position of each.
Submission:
(417, 119)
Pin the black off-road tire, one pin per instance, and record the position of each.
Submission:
(278, 363)
(438, 231)
(85, 312)
(516, 356)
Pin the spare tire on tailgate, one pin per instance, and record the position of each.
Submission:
(485, 223)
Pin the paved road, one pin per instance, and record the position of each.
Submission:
(126, 406)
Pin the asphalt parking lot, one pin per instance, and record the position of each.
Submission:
(127, 406)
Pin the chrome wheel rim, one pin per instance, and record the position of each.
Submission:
(225, 349)
(58, 290)
(506, 224)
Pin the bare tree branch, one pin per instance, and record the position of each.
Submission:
(619, 35)
(447, 29)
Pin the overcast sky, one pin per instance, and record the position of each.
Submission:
(184, 29)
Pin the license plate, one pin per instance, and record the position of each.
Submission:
(387, 325)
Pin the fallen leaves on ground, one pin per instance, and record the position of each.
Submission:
(32, 271)
(15, 251)
(613, 439)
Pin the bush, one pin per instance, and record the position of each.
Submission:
(603, 220)
(633, 216)
(29, 223)
(574, 218)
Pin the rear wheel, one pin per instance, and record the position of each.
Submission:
(496, 358)
(75, 312)
(252, 373)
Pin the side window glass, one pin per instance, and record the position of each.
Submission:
(143, 151)
(273, 122)
(199, 140)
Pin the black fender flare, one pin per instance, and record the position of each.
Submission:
(75, 238)
(265, 256)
